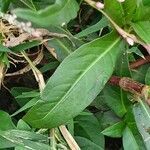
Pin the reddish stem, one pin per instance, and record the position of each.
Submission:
(127, 84)
(140, 62)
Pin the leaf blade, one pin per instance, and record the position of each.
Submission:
(55, 14)
(67, 89)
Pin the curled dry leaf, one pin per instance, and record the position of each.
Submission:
(14, 41)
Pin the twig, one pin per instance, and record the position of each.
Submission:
(2, 73)
(140, 62)
(28, 67)
(130, 38)
(127, 84)
(52, 139)
(38, 75)
(132, 86)
(51, 50)
(69, 139)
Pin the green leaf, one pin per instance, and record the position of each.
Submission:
(86, 144)
(113, 100)
(146, 2)
(115, 130)
(142, 13)
(130, 122)
(142, 29)
(24, 139)
(115, 10)
(6, 122)
(129, 141)
(76, 82)
(49, 66)
(136, 51)
(5, 5)
(142, 117)
(57, 14)
(18, 91)
(4, 49)
(140, 73)
(25, 46)
(99, 25)
(107, 119)
(129, 7)
(88, 126)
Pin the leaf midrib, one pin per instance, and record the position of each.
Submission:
(78, 79)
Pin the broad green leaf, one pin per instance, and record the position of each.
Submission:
(142, 117)
(89, 127)
(115, 11)
(76, 82)
(5, 143)
(113, 99)
(6, 122)
(24, 139)
(131, 124)
(96, 27)
(115, 130)
(142, 29)
(86, 144)
(56, 14)
(129, 141)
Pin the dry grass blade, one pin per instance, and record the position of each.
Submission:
(27, 68)
(14, 41)
(51, 50)
(2, 73)
(68, 137)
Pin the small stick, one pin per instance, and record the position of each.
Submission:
(68, 137)
(140, 62)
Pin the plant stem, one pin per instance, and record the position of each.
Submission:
(122, 32)
(132, 86)
(52, 139)
(140, 62)
(38, 75)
